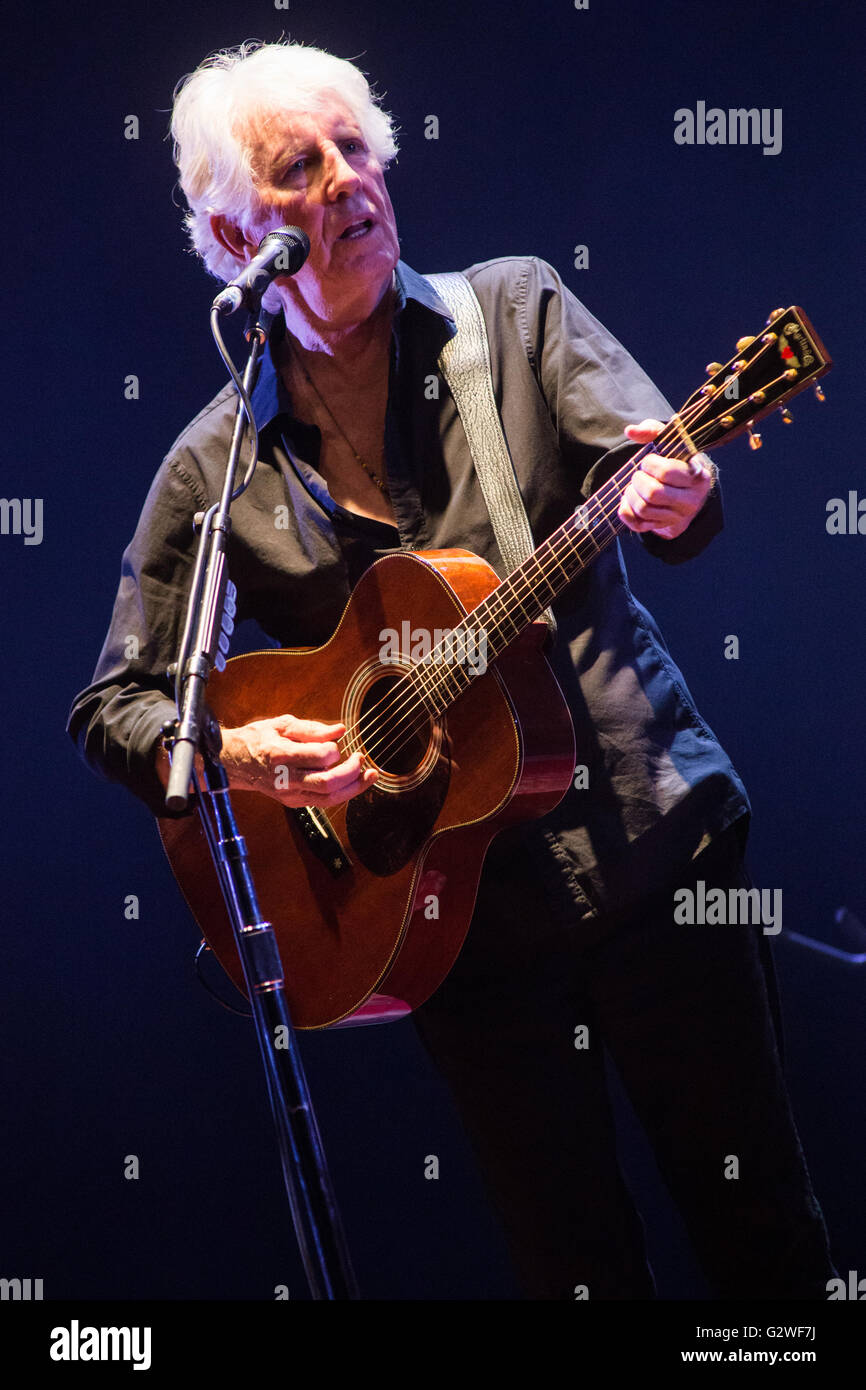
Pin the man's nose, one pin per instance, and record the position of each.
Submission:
(339, 176)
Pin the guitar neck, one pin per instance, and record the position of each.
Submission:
(523, 596)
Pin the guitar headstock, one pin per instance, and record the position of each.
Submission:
(767, 370)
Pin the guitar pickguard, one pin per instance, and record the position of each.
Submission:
(386, 828)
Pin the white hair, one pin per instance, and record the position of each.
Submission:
(212, 106)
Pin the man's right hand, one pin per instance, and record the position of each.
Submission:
(295, 761)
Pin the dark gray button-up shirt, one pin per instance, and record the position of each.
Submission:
(659, 787)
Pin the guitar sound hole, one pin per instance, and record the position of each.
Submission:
(395, 732)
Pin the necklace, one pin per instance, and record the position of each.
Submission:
(370, 474)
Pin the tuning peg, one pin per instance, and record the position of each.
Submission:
(713, 367)
(819, 394)
(755, 440)
(743, 343)
(786, 415)
(776, 314)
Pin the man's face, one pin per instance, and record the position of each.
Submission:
(315, 171)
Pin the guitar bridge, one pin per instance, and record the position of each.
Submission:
(320, 836)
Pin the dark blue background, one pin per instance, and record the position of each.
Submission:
(556, 128)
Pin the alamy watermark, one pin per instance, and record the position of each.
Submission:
(77, 1343)
(853, 1289)
(460, 646)
(733, 906)
(847, 517)
(21, 1290)
(22, 516)
(736, 126)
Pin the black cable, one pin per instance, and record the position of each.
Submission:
(239, 1013)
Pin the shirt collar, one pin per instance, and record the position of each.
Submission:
(270, 397)
(411, 285)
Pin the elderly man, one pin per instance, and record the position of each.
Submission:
(573, 931)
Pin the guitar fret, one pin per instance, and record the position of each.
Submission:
(603, 519)
(546, 552)
(583, 515)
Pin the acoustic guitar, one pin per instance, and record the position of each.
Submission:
(437, 671)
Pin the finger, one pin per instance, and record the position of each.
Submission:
(361, 784)
(314, 796)
(645, 431)
(678, 473)
(699, 466)
(336, 779)
(307, 755)
(639, 514)
(654, 522)
(649, 492)
(292, 727)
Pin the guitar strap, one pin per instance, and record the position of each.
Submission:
(465, 364)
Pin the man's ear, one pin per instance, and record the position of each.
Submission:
(230, 236)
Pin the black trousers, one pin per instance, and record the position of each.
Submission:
(690, 1017)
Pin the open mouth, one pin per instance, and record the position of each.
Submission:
(356, 230)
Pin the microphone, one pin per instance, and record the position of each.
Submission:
(282, 252)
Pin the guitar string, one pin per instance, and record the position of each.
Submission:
(427, 679)
(398, 723)
(684, 416)
(705, 399)
(547, 552)
(415, 711)
(572, 548)
(432, 680)
(432, 665)
(428, 676)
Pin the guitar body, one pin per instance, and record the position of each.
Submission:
(370, 940)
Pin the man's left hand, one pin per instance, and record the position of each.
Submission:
(664, 494)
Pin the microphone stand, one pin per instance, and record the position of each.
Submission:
(210, 610)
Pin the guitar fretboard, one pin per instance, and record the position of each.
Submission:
(522, 597)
